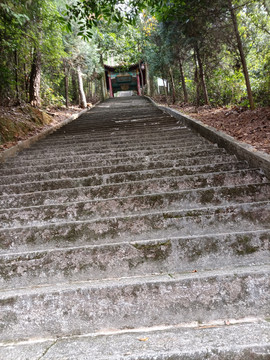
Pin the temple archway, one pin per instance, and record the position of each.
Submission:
(130, 78)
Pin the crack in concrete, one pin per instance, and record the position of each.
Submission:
(46, 350)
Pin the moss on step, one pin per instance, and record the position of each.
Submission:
(204, 248)
(172, 216)
(207, 196)
(243, 245)
(156, 200)
(191, 213)
(151, 251)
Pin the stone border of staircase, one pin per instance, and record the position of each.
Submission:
(27, 143)
(243, 151)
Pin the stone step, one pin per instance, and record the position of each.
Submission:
(155, 186)
(112, 128)
(91, 141)
(125, 167)
(123, 118)
(120, 134)
(114, 177)
(85, 307)
(116, 138)
(117, 134)
(192, 222)
(86, 161)
(181, 182)
(123, 153)
(124, 115)
(243, 339)
(95, 209)
(122, 158)
(165, 255)
(110, 149)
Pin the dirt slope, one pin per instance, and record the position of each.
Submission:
(21, 122)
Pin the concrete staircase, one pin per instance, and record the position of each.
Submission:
(124, 235)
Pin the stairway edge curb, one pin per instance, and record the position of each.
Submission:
(241, 150)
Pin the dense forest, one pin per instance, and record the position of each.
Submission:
(214, 52)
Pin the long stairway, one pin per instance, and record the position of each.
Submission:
(125, 235)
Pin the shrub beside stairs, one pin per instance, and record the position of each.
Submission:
(126, 235)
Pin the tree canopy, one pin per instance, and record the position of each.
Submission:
(206, 51)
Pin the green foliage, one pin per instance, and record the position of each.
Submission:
(196, 34)
(27, 27)
(206, 26)
(89, 14)
(50, 97)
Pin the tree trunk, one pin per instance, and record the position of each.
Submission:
(149, 81)
(165, 88)
(202, 78)
(142, 77)
(89, 90)
(242, 55)
(66, 83)
(104, 92)
(183, 81)
(173, 86)
(94, 89)
(16, 77)
(75, 94)
(197, 82)
(83, 103)
(25, 83)
(152, 90)
(148, 84)
(35, 77)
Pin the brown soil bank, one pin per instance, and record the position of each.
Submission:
(251, 127)
(20, 123)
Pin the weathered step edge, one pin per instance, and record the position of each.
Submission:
(245, 339)
(83, 307)
(241, 150)
(33, 139)
(157, 256)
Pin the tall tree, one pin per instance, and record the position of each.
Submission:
(83, 103)
(30, 39)
(35, 78)
(241, 52)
